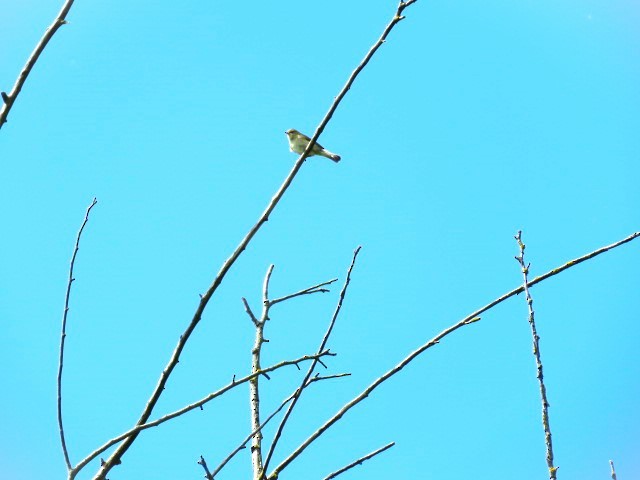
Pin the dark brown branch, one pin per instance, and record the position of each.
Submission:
(536, 352)
(434, 341)
(613, 470)
(63, 334)
(359, 461)
(236, 382)
(322, 346)
(10, 98)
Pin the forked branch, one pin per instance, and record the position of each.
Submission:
(307, 377)
(233, 384)
(243, 444)
(116, 456)
(469, 319)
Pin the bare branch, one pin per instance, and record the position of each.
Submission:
(360, 461)
(10, 98)
(116, 457)
(254, 384)
(307, 291)
(536, 352)
(434, 341)
(63, 334)
(138, 428)
(249, 311)
(322, 346)
(243, 444)
(207, 473)
(613, 470)
(265, 285)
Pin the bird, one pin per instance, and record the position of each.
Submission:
(298, 143)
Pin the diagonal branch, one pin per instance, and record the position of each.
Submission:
(307, 291)
(243, 444)
(322, 346)
(536, 352)
(359, 461)
(63, 334)
(116, 457)
(469, 319)
(250, 312)
(234, 383)
(10, 98)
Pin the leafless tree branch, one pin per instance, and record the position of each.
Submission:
(322, 346)
(254, 384)
(613, 470)
(207, 474)
(359, 461)
(249, 311)
(63, 334)
(243, 444)
(116, 456)
(471, 318)
(10, 98)
(536, 352)
(307, 291)
(234, 383)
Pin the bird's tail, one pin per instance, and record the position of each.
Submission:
(331, 156)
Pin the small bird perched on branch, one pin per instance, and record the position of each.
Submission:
(299, 141)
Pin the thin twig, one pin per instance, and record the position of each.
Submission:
(243, 444)
(359, 461)
(322, 346)
(613, 471)
(207, 473)
(249, 311)
(116, 456)
(536, 352)
(469, 319)
(10, 98)
(234, 383)
(307, 291)
(63, 334)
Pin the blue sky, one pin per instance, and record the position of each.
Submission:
(473, 121)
